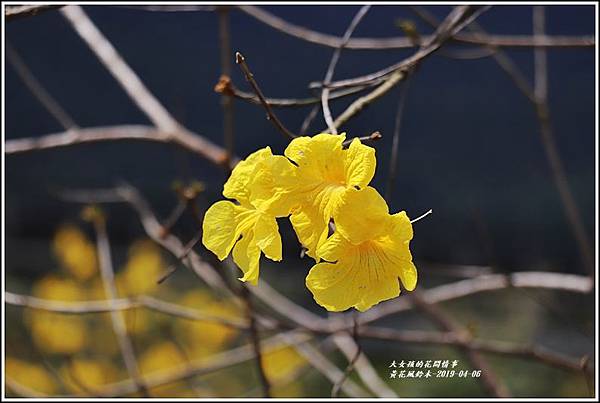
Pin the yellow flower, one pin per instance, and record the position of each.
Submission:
(54, 332)
(325, 172)
(142, 270)
(202, 338)
(30, 375)
(75, 252)
(366, 255)
(86, 376)
(253, 184)
(161, 359)
(282, 366)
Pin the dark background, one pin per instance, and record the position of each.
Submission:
(470, 147)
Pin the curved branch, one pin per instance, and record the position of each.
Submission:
(332, 41)
(194, 144)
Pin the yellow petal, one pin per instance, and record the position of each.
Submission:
(311, 227)
(247, 256)
(273, 186)
(359, 164)
(267, 238)
(333, 248)
(319, 158)
(357, 280)
(223, 223)
(361, 215)
(236, 186)
(396, 249)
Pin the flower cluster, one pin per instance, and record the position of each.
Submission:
(361, 250)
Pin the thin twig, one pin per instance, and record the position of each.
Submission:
(118, 322)
(241, 61)
(309, 119)
(332, 64)
(37, 89)
(256, 347)
(188, 248)
(393, 164)
(225, 86)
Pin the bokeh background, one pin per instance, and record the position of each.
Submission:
(470, 150)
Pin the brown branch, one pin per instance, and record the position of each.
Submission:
(241, 61)
(332, 41)
(12, 13)
(332, 64)
(227, 99)
(136, 89)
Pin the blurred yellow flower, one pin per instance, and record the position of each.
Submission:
(75, 252)
(32, 376)
(281, 363)
(281, 366)
(365, 257)
(163, 358)
(203, 338)
(251, 184)
(85, 376)
(55, 332)
(142, 270)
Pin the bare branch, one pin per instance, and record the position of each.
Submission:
(118, 304)
(225, 86)
(404, 42)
